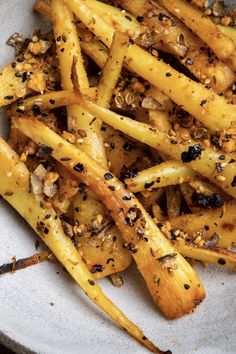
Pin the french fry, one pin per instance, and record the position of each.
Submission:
(51, 232)
(187, 193)
(229, 32)
(138, 230)
(221, 45)
(220, 256)
(52, 100)
(220, 221)
(166, 174)
(43, 7)
(173, 201)
(123, 22)
(112, 68)
(67, 50)
(209, 108)
(204, 165)
(98, 52)
(177, 39)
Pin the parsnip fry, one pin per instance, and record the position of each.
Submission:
(51, 232)
(173, 201)
(222, 46)
(42, 7)
(53, 100)
(166, 174)
(209, 108)
(229, 32)
(219, 256)
(204, 163)
(143, 239)
(220, 221)
(171, 35)
(68, 48)
(112, 68)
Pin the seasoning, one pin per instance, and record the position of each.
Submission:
(96, 268)
(132, 248)
(168, 74)
(189, 61)
(127, 197)
(208, 201)
(148, 185)
(108, 176)
(203, 102)
(44, 149)
(52, 101)
(192, 154)
(91, 282)
(186, 286)
(233, 183)
(79, 168)
(128, 146)
(8, 97)
(221, 261)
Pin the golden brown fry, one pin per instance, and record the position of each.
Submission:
(68, 48)
(171, 35)
(166, 174)
(229, 32)
(51, 232)
(204, 163)
(24, 262)
(219, 256)
(53, 100)
(150, 249)
(173, 201)
(42, 7)
(112, 68)
(200, 24)
(209, 108)
(220, 221)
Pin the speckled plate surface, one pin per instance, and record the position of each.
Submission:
(29, 322)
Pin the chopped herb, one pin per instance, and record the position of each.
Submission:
(208, 201)
(44, 149)
(192, 154)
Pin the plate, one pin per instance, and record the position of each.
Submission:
(43, 311)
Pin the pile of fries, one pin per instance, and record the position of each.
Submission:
(123, 145)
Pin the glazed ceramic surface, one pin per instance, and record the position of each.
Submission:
(43, 311)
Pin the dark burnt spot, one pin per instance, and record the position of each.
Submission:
(228, 226)
(207, 201)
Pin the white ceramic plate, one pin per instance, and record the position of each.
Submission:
(73, 325)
